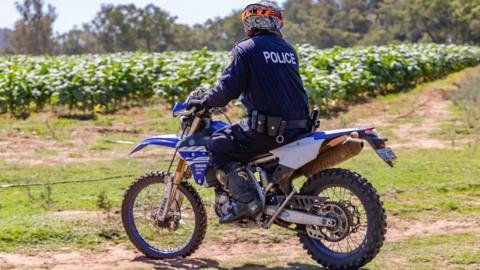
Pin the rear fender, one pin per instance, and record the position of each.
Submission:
(368, 134)
(378, 144)
(169, 141)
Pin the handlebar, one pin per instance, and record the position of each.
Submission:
(186, 112)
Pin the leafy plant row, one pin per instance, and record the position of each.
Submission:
(338, 75)
(105, 83)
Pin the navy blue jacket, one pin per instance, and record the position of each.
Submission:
(264, 71)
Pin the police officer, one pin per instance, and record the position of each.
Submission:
(264, 72)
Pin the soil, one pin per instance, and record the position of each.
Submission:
(431, 109)
(29, 150)
(25, 149)
(211, 254)
(78, 214)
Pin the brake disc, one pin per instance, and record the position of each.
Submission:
(343, 222)
(171, 222)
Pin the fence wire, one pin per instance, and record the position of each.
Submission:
(110, 178)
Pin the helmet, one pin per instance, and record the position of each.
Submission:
(262, 16)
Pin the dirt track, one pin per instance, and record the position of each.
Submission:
(213, 254)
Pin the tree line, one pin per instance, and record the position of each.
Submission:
(322, 23)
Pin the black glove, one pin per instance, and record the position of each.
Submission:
(198, 104)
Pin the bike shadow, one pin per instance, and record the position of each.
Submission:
(290, 266)
(199, 263)
(183, 263)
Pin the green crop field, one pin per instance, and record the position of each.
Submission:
(105, 83)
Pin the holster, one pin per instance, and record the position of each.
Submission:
(271, 125)
(274, 126)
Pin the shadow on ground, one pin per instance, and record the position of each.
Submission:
(180, 263)
(198, 263)
(289, 267)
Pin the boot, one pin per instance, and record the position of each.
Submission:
(242, 187)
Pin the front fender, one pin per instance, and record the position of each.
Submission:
(169, 140)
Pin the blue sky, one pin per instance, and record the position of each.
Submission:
(76, 12)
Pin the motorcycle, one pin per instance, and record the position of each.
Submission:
(337, 214)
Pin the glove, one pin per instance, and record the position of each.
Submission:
(197, 104)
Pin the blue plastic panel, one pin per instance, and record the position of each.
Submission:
(169, 140)
(217, 125)
(327, 134)
(198, 159)
(179, 106)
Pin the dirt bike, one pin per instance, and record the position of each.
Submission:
(337, 214)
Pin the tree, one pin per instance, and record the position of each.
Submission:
(5, 46)
(438, 21)
(76, 41)
(327, 23)
(128, 28)
(323, 23)
(154, 29)
(33, 34)
(185, 38)
(221, 33)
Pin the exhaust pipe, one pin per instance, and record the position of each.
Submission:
(341, 152)
(298, 217)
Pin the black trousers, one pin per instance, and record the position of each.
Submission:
(238, 143)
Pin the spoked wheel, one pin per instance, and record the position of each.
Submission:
(360, 221)
(182, 231)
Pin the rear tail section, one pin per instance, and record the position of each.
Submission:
(341, 145)
(332, 153)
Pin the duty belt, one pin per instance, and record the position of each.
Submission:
(275, 126)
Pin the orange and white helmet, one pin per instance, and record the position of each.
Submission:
(262, 16)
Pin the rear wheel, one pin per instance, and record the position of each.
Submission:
(360, 220)
(184, 228)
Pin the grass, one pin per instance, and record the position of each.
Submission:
(24, 201)
(38, 232)
(418, 186)
(443, 251)
(466, 113)
(426, 185)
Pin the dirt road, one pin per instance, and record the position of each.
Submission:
(216, 255)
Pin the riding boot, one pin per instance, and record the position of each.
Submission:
(242, 189)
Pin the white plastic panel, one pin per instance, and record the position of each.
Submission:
(298, 153)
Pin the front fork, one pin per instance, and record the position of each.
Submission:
(170, 195)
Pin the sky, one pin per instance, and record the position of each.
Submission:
(76, 12)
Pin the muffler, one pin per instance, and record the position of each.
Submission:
(298, 217)
(344, 150)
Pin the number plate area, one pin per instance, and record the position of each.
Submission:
(386, 154)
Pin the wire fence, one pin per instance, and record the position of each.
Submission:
(110, 178)
(62, 182)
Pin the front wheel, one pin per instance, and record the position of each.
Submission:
(184, 228)
(360, 220)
